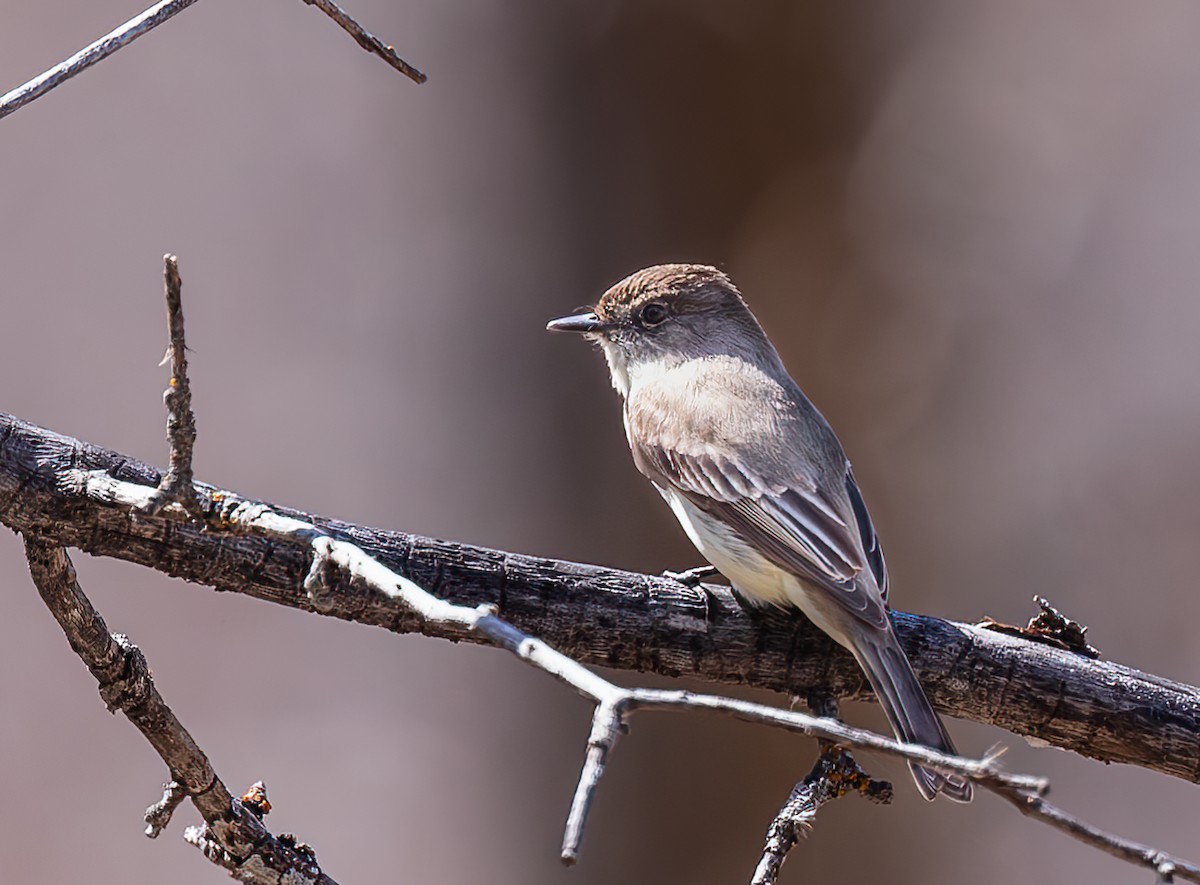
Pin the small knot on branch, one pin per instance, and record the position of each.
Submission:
(158, 815)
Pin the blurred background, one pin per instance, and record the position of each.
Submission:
(971, 229)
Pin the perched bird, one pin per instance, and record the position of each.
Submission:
(755, 474)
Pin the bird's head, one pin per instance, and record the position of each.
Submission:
(663, 315)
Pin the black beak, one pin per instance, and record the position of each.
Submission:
(580, 322)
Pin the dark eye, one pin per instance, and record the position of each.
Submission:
(653, 313)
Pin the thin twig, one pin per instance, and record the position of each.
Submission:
(178, 484)
(984, 771)
(367, 40)
(151, 19)
(607, 725)
(247, 849)
(1165, 865)
(91, 54)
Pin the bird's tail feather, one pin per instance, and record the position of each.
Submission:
(909, 711)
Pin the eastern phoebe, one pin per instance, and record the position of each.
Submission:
(754, 473)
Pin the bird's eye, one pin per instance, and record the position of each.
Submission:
(653, 313)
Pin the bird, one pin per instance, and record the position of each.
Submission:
(755, 474)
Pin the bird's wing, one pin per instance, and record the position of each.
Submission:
(792, 521)
(866, 531)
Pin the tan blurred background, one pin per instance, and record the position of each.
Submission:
(971, 229)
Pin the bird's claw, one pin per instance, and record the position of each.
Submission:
(693, 576)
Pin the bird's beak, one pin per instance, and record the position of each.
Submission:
(579, 322)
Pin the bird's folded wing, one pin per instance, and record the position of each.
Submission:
(797, 527)
(866, 531)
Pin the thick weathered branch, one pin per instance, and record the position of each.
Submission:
(55, 487)
(238, 840)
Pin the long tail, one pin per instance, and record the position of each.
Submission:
(907, 709)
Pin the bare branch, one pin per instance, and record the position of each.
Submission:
(367, 40)
(74, 494)
(607, 726)
(246, 847)
(123, 35)
(177, 486)
(1167, 866)
(151, 19)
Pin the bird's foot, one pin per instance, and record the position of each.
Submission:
(693, 576)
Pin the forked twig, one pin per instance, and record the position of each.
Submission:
(145, 22)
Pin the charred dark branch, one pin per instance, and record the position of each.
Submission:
(54, 487)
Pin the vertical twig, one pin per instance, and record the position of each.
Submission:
(177, 485)
(607, 725)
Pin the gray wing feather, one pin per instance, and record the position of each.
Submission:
(799, 529)
(866, 531)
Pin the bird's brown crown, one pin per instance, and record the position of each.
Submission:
(685, 286)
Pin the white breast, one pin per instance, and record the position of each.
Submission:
(753, 575)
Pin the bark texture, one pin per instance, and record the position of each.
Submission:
(610, 618)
